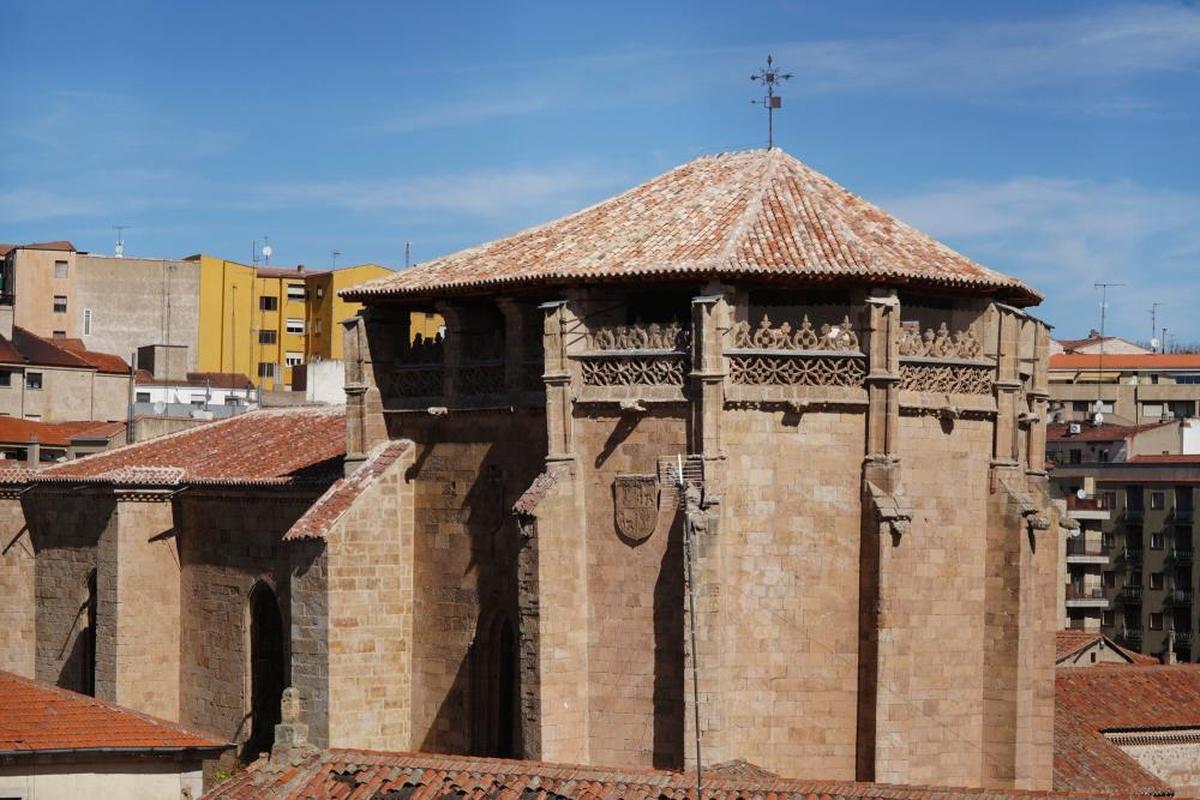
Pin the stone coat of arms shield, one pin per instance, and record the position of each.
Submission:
(635, 499)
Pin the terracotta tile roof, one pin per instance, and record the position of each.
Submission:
(61, 244)
(39, 717)
(215, 380)
(1104, 432)
(275, 446)
(9, 354)
(1116, 361)
(287, 272)
(757, 213)
(423, 776)
(1167, 458)
(14, 430)
(1089, 701)
(1069, 642)
(32, 350)
(329, 508)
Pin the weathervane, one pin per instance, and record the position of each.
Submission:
(768, 77)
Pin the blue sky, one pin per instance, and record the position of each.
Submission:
(1051, 140)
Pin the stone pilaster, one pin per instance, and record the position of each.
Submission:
(452, 349)
(704, 666)
(365, 426)
(515, 335)
(1039, 400)
(558, 317)
(1008, 386)
(138, 633)
(884, 650)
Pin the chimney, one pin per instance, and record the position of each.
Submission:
(33, 453)
(1168, 654)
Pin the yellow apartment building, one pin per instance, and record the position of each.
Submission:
(261, 321)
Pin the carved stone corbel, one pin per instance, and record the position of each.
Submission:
(1034, 515)
(892, 508)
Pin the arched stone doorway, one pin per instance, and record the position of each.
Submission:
(266, 668)
(497, 730)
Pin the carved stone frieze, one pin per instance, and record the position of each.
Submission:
(840, 337)
(792, 370)
(480, 379)
(413, 382)
(938, 344)
(947, 378)
(634, 371)
(641, 337)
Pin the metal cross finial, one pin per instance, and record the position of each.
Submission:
(768, 77)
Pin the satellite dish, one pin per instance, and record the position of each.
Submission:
(1074, 533)
(1097, 418)
(266, 251)
(1154, 344)
(1081, 494)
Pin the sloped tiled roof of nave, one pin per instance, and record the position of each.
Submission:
(757, 213)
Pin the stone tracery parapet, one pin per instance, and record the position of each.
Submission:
(940, 343)
(840, 337)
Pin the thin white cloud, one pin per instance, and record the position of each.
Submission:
(489, 194)
(1063, 235)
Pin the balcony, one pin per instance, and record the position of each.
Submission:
(1182, 514)
(1132, 556)
(1178, 597)
(1131, 636)
(1130, 594)
(1181, 555)
(1086, 598)
(1087, 508)
(1081, 552)
(1183, 638)
(1133, 514)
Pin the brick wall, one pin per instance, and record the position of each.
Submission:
(369, 664)
(18, 587)
(228, 540)
(929, 724)
(790, 539)
(65, 531)
(635, 594)
(468, 469)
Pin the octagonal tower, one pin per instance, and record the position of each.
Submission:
(857, 412)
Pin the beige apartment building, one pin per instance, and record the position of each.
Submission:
(112, 304)
(1129, 388)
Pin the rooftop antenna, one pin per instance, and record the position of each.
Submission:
(266, 250)
(768, 77)
(254, 252)
(1154, 325)
(333, 255)
(1103, 287)
(407, 254)
(119, 250)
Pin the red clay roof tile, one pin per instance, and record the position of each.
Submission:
(757, 213)
(1105, 432)
(40, 717)
(269, 446)
(1090, 701)
(1116, 361)
(14, 430)
(417, 776)
(329, 508)
(1070, 642)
